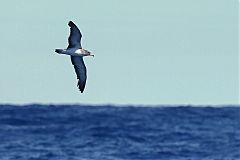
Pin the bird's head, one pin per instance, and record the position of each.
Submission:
(86, 52)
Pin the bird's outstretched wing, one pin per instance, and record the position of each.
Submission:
(74, 40)
(80, 70)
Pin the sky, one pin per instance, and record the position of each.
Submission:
(146, 52)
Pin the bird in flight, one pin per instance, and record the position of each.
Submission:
(77, 53)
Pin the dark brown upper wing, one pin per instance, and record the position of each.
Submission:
(74, 40)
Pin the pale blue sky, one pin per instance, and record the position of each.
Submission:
(146, 52)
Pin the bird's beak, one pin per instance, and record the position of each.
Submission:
(90, 54)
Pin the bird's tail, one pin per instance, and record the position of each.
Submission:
(59, 50)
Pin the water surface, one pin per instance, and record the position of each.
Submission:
(78, 132)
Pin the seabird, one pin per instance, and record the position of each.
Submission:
(77, 53)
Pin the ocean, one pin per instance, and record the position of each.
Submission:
(82, 132)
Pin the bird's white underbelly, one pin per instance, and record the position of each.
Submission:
(79, 52)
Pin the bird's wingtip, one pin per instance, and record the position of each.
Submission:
(80, 90)
(70, 23)
(79, 87)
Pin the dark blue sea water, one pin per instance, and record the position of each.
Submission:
(64, 132)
